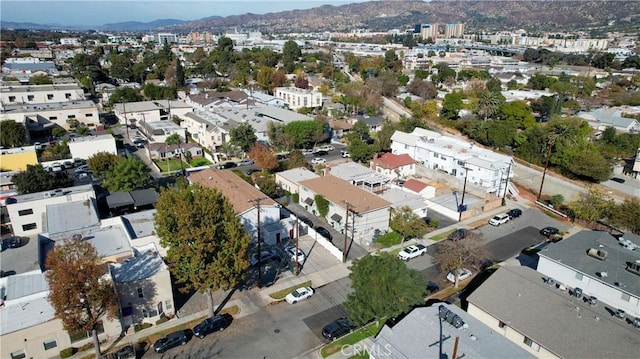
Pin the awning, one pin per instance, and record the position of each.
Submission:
(336, 217)
(144, 197)
(309, 201)
(119, 199)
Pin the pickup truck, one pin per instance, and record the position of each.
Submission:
(412, 252)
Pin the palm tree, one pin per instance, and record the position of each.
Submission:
(489, 104)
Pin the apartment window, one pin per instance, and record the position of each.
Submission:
(12, 98)
(626, 297)
(20, 354)
(30, 97)
(579, 276)
(53, 118)
(168, 304)
(501, 324)
(89, 115)
(535, 346)
(49, 96)
(145, 313)
(25, 212)
(50, 344)
(153, 312)
(29, 227)
(460, 163)
(140, 294)
(67, 96)
(71, 117)
(435, 155)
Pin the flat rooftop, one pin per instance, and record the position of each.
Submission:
(49, 106)
(140, 224)
(71, 216)
(26, 303)
(47, 194)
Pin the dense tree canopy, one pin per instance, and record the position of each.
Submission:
(469, 253)
(78, 290)
(13, 134)
(127, 175)
(36, 179)
(407, 223)
(263, 156)
(102, 163)
(243, 136)
(383, 286)
(206, 241)
(303, 133)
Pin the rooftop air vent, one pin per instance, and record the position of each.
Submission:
(450, 317)
(599, 254)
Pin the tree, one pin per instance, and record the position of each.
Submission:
(407, 223)
(78, 290)
(453, 255)
(297, 159)
(58, 132)
(303, 133)
(518, 112)
(391, 61)
(494, 85)
(124, 94)
(269, 187)
(360, 151)
(264, 157)
(102, 163)
(322, 204)
(422, 88)
(264, 77)
(127, 175)
(290, 54)
(592, 205)
(243, 136)
(451, 105)
(207, 243)
(36, 179)
(627, 215)
(179, 74)
(383, 286)
(13, 134)
(40, 80)
(489, 104)
(83, 131)
(174, 139)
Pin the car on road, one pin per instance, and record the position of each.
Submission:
(169, 341)
(324, 232)
(318, 160)
(327, 148)
(336, 329)
(618, 179)
(266, 256)
(226, 165)
(11, 242)
(251, 171)
(499, 219)
(216, 323)
(81, 168)
(345, 154)
(549, 231)
(299, 294)
(514, 213)
(307, 152)
(68, 165)
(463, 273)
(432, 287)
(458, 234)
(412, 252)
(320, 153)
(245, 162)
(56, 167)
(127, 352)
(291, 252)
(306, 221)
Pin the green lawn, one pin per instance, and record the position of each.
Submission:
(441, 236)
(171, 165)
(197, 162)
(367, 331)
(279, 295)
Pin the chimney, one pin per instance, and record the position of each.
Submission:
(373, 161)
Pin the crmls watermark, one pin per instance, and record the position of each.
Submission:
(374, 349)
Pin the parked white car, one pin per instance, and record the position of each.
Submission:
(291, 252)
(299, 294)
(412, 252)
(318, 160)
(327, 148)
(307, 152)
(463, 273)
(345, 154)
(499, 219)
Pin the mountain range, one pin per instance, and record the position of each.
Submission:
(385, 15)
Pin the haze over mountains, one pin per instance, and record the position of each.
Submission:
(384, 15)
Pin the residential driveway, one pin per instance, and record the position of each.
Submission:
(22, 259)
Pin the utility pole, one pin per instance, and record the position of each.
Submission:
(506, 186)
(297, 248)
(346, 231)
(126, 122)
(464, 190)
(256, 203)
(546, 165)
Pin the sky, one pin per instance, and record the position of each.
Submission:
(95, 13)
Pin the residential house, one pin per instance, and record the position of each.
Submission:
(399, 198)
(442, 154)
(140, 229)
(368, 212)
(394, 166)
(359, 176)
(28, 212)
(636, 166)
(244, 199)
(289, 180)
(150, 111)
(143, 284)
(339, 128)
(87, 146)
(42, 117)
(210, 100)
(17, 159)
(373, 123)
(41, 94)
(208, 130)
(441, 331)
(162, 151)
(548, 321)
(264, 98)
(158, 131)
(297, 98)
(425, 190)
(614, 117)
(600, 265)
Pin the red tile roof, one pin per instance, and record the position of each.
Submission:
(415, 185)
(391, 161)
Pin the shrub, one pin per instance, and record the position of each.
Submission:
(141, 326)
(163, 318)
(67, 352)
(388, 239)
(295, 197)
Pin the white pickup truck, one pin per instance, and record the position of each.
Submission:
(412, 252)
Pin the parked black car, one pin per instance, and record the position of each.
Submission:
(325, 233)
(127, 352)
(306, 221)
(321, 153)
(169, 341)
(226, 165)
(337, 329)
(458, 234)
(266, 256)
(618, 179)
(549, 231)
(210, 325)
(514, 213)
(11, 242)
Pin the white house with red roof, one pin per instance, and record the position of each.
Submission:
(394, 166)
(418, 187)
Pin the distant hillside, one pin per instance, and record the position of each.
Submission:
(384, 15)
(140, 26)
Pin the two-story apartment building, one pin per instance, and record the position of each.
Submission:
(208, 129)
(455, 157)
(46, 116)
(150, 111)
(394, 166)
(28, 214)
(600, 265)
(243, 198)
(87, 146)
(41, 94)
(296, 98)
(289, 180)
(366, 211)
